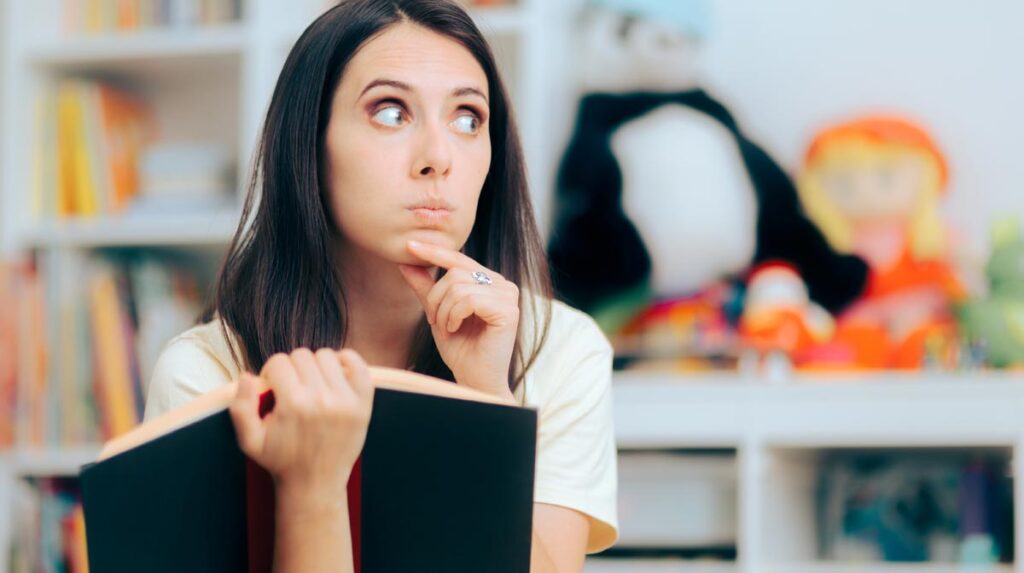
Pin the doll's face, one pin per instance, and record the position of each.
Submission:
(883, 188)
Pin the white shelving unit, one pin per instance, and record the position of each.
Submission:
(779, 431)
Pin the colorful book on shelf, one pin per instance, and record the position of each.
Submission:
(90, 137)
(50, 531)
(444, 483)
(32, 362)
(94, 17)
(115, 371)
(84, 337)
(17, 343)
(73, 528)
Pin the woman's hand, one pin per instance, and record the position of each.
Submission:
(474, 325)
(311, 439)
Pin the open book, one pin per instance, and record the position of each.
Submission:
(444, 483)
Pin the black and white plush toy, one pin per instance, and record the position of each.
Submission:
(660, 194)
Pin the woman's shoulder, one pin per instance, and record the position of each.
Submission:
(575, 353)
(208, 339)
(190, 364)
(569, 329)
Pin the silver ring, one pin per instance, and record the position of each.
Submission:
(481, 278)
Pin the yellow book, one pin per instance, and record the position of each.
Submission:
(94, 16)
(77, 191)
(65, 204)
(86, 194)
(94, 143)
(113, 383)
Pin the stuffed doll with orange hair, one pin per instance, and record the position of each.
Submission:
(874, 186)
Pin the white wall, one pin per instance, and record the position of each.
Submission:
(787, 66)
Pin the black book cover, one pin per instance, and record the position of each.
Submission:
(445, 485)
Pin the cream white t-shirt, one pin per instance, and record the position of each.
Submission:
(569, 384)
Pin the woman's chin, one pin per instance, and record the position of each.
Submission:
(431, 237)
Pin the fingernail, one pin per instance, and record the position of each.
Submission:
(415, 244)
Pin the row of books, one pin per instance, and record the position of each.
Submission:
(929, 506)
(50, 537)
(87, 336)
(21, 346)
(89, 138)
(105, 16)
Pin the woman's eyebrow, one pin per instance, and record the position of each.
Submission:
(459, 92)
(384, 82)
(379, 82)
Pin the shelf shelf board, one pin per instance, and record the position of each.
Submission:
(657, 565)
(870, 410)
(825, 567)
(140, 47)
(212, 229)
(51, 462)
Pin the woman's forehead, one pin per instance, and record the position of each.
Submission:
(416, 57)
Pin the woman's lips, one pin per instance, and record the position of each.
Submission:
(431, 216)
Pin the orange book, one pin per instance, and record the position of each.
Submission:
(127, 126)
(113, 382)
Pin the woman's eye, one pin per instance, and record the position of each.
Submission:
(468, 124)
(390, 116)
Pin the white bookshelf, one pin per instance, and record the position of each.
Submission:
(780, 431)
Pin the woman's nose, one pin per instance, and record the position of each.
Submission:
(434, 158)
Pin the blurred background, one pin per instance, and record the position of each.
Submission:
(799, 223)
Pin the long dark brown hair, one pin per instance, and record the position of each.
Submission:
(275, 300)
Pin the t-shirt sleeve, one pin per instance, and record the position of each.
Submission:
(185, 369)
(576, 455)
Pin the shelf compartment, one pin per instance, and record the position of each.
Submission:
(682, 502)
(887, 506)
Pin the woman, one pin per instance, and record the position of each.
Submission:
(393, 220)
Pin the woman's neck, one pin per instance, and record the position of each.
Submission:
(383, 311)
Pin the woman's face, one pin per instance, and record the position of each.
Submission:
(408, 143)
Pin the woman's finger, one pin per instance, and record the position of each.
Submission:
(460, 311)
(357, 373)
(329, 361)
(442, 256)
(451, 297)
(309, 371)
(281, 376)
(244, 410)
(441, 289)
(493, 309)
